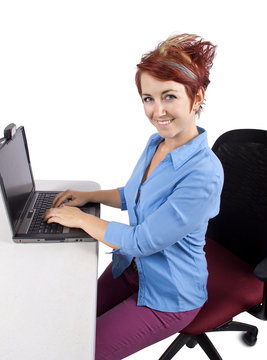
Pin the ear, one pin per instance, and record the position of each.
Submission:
(199, 98)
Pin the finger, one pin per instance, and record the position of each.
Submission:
(54, 219)
(72, 203)
(60, 198)
(56, 199)
(50, 213)
(46, 215)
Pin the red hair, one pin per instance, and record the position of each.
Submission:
(185, 58)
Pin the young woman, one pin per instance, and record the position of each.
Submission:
(156, 284)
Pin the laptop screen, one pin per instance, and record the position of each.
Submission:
(16, 176)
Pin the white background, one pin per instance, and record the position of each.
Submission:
(67, 74)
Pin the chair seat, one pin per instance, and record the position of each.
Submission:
(232, 289)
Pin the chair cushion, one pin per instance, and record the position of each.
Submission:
(232, 289)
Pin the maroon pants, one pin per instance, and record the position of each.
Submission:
(122, 327)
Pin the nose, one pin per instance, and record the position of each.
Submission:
(159, 109)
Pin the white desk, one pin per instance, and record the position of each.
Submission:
(47, 294)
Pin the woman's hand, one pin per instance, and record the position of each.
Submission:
(66, 216)
(75, 218)
(77, 198)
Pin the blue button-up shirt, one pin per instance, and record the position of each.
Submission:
(168, 217)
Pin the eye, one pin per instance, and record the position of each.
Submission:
(147, 99)
(170, 97)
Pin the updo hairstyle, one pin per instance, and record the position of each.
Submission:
(185, 58)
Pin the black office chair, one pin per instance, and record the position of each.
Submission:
(236, 244)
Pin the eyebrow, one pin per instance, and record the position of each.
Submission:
(163, 92)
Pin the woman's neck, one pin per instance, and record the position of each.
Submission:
(170, 144)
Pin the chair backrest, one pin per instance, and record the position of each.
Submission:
(241, 225)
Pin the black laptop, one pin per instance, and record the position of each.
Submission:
(25, 206)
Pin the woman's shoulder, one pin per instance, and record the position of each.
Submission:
(208, 167)
(215, 163)
(203, 166)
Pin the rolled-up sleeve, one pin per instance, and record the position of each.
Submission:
(190, 204)
(123, 200)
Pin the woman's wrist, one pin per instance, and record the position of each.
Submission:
(93, 226)
(96, 228)
(83, 220)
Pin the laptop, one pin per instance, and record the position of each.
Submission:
(25, 206)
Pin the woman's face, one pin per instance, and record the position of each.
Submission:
(168, 108)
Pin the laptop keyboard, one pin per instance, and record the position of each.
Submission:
(38, 226)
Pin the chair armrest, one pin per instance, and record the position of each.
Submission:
(260, 270)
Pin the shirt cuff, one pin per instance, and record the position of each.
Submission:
(115, 234)
(123, 200)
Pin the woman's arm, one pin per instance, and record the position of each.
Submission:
(80, 198)
(106, 197)
(96, 228)
(187, 209)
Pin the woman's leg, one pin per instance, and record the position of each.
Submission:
(111, 292)
(128, 328)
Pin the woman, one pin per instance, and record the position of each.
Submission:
(156, 284)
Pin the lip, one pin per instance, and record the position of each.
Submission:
(164, 123)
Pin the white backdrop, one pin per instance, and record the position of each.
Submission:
(67, 74)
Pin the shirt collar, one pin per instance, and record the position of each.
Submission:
(180, 155)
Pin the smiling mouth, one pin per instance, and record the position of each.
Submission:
(164, 122)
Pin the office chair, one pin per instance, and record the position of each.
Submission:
(236, 244)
